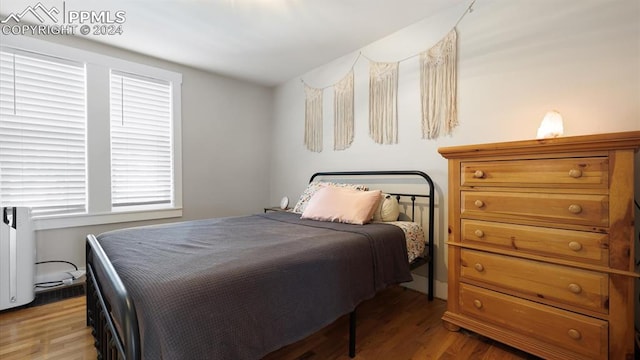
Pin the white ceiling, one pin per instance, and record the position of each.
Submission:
(264, 41)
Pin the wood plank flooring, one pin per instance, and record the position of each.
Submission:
(396, 324)
(52, 331)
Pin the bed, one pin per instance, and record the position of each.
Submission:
(241, 287)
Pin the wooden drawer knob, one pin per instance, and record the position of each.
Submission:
(478, 267)
(575, 209)
(479, 203)
(575, 288)
(477, 303)
(575, 246)
(479, 233)
(478, 174)
(574, 334)
(575, 173)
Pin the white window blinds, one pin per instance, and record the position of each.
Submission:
(141, 141)
(42, 133)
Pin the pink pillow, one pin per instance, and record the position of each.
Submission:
(342, 205)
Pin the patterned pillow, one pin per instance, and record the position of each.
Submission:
(314, 186)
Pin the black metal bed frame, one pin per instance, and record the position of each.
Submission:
(109, 342)
(112, 314)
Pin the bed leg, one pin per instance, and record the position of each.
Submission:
(352, 334)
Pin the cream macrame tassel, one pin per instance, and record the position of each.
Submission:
(383, 102)
(313, 119)
(343, 123)
(438, 69)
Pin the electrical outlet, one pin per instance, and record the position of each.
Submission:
(77, 274)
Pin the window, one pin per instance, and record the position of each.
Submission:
(141, 164)
(42, 133)
(86, 138)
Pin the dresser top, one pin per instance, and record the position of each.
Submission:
(607, 141)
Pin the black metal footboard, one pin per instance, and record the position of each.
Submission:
(110, 311)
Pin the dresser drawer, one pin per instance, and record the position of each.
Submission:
(572, 172)
(581, 334)
(575, 209)
(583, 246)
(549, 283)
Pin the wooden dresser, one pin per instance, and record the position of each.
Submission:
(541, 244)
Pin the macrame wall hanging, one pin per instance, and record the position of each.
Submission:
(313, 119)
(438, 71)
(343, 124)
(383, 102)
(438, 94)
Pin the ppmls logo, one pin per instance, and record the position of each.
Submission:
(66, 22)
(33, 10)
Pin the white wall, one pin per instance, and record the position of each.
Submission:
(225, 153)
(517, 60)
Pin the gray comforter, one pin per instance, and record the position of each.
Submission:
(241, 287)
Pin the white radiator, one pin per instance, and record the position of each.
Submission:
(17, 257)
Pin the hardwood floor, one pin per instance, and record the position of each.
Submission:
(396, 324)
(51, 331)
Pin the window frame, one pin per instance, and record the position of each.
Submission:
(98, 69)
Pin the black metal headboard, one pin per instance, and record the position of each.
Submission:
(429, 195)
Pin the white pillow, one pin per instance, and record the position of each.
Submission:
(388, 209)
(342, 205)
